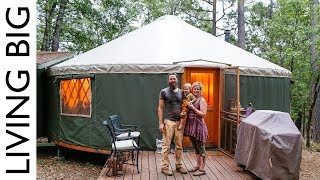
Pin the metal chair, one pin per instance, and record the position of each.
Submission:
(121, 146)
(122, 131)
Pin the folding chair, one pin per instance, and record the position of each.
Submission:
(119, 147)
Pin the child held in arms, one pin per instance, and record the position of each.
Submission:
(188, 97)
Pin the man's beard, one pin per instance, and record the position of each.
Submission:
(173, 85)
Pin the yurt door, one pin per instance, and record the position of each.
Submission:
(210, 80)
(229, 108)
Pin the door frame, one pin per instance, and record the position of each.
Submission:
(186, 78)
(222, 111)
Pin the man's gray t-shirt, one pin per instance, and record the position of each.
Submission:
(172, 102)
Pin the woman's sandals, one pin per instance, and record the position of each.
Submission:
(194, 169)
(199, 173)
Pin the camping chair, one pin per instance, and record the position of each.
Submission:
(119, 150)
(123, 132)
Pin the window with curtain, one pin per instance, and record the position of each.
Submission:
(75, 97)
(207, 81)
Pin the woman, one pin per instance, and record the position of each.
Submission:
(196, 128)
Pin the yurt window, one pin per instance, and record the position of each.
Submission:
(75, 97)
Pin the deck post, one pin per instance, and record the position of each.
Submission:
(59, 155)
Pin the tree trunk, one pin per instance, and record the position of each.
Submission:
(304, 120)
(317, 117)
(241, 24)
(214, 17)
(313, 102)
(270, 15)
(48, 20)
(308, 130)
(57, 29)
(299, 120)
(271, 6)
(314, 57)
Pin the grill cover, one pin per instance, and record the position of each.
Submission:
(269, 145)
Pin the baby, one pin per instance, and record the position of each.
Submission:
(188, 97)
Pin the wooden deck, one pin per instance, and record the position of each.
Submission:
(218, 166)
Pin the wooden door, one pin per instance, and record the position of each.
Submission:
(210, 80)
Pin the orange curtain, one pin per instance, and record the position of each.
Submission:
(207, 81)
(75, 96)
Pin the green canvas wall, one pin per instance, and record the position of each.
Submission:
(267, 93)
(132, 96)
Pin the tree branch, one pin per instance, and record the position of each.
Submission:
(220, 28)
(220, 34)
(201, 19)
(209, 2)
(233, 28)
(221, 17)
(200, 10)
(224, 10)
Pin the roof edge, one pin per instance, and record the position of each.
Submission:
(55, 61)
(158, 69)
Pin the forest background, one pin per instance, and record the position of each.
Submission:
(285, 32)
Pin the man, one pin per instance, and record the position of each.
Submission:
(169, 110)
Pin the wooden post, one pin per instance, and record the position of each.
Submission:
(238, 96)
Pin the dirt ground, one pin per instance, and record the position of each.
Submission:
(76, 166)
(79, 165)
(310, 163)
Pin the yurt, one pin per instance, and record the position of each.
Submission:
(125, 76)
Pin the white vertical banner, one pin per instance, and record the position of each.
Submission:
(18, 89)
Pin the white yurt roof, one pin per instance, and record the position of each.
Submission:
(167, 45)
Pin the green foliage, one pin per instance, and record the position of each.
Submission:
(189, 10)
(281, 34)
(88, 24)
